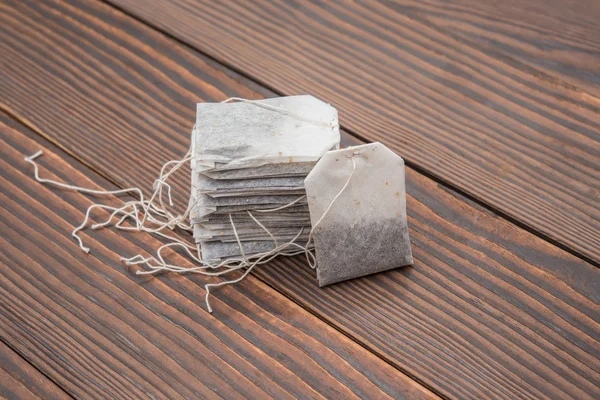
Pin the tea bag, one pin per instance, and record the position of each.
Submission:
(280, 130)
(202, 233)
(241, 224)
(243, 217)
(357, 202)
(266, 171)
(199, 216)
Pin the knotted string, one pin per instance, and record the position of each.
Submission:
(154, 217)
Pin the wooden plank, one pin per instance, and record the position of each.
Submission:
(19, 380)
(488, 310)
(477, 120)
(101, 331)
(558, 39)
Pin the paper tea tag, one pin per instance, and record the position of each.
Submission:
(361, 229)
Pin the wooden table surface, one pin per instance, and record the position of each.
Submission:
(495, 107)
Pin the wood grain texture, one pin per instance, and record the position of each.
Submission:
(480, 121)
(100, 331)
(488, 310)
(558, 38)
(19, 380)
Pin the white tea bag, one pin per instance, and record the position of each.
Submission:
(245, 135)
(265, 171)
(199, 215)
(242, 217)
(206, 202)
(277, 191)
(209, 185)
(218, 251)
(357, 203)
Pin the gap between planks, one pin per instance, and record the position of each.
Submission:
(48, 379)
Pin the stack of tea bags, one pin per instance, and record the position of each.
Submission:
(249, 162)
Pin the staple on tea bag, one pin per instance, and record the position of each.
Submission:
(357, 202)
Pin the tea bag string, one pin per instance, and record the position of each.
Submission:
(152, 213)
(156, 215)
(143, 212)
(36, 174)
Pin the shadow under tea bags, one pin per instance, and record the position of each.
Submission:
(357, 203)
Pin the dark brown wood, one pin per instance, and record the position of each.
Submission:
(19, 380)
(100, 331)
(559, 39)
(488, 310)
(506, 135)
